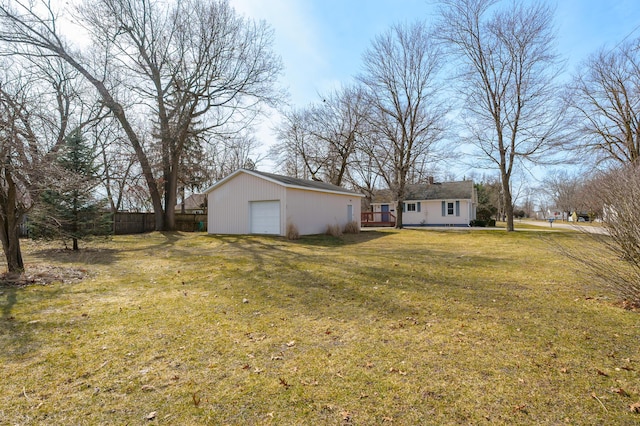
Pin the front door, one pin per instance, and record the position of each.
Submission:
(384, 208)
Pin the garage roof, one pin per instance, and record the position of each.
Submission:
(288, 182)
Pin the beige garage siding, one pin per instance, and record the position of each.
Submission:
(228, 204)
(312, 211)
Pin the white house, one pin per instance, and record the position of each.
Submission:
(193, 204)
(555, 214)
(252, 202)
(431, 204)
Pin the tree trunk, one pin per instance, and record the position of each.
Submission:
(10, 220)
(170, 199)
(120, 115)
(399, 213)
(9, 234)
(508, 205)
(169, 210)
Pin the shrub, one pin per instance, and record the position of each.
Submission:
(292, 232)
(352, 228)
(616, 262)
(334, 230)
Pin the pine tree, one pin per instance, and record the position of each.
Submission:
(68, 209)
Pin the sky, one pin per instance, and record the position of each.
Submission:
(321, 42)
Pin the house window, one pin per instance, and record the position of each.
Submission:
(411, 207)
(449, 209)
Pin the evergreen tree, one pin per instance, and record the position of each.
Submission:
(68, 209)
(488, 198)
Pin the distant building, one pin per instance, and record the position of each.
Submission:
(555, 214)
(193, 204)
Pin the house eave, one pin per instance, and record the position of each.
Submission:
(277, 182)
(420, 201)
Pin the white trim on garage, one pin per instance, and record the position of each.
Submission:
(265, 217)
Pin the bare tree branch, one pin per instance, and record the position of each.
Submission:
(407, 119)
(508, 71)
(606, 97)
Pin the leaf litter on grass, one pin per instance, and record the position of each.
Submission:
(462, 328)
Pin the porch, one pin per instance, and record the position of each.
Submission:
(377, 219)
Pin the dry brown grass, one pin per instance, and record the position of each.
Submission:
(333, 230)
(352, 228)
(389, 327)
(292, 232)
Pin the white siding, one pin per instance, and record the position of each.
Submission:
(311, 211)
(228, 204)
(431, 213)
(433, 210)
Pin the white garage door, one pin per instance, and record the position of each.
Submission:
(265, 217)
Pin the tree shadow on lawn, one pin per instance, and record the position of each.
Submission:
(17, 333)
(308, 279)
(171, 243)
(8, 302)
(319, 240)
(267, 250)
(322, 240)
(320, 283)
(87, 256)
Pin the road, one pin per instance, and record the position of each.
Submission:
(591, 229)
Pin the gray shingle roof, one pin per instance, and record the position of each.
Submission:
(292, 182)
(193, 202)
(435, 191)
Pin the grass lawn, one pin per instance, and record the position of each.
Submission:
(384, 327)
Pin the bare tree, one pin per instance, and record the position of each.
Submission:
(363, 173)
(14, 179)
(35, 109)
(613, 259)
(297, 152)
(236, 151)
(320, 140)
(337, 124)
(118, 167)
(507, 81)
(407, 116)
(564, 190)
(192, 67)
(606, 95)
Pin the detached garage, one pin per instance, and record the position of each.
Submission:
(252, 202)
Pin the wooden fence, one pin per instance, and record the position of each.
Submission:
(133, 223)
(137, 223)
(190, 222)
